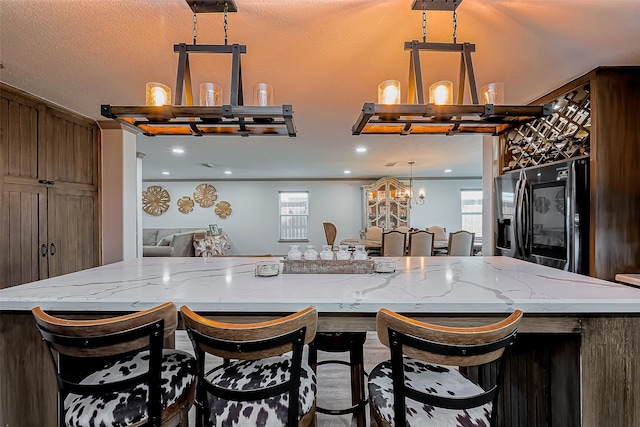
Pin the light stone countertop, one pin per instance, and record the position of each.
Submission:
(419, 285)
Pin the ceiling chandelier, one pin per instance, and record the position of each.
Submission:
(440, 115)
(409, 194)
(211, 117)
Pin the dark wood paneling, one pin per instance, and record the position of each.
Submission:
(41, 142)
(25, 364)
(76, 245)
(541, 384)
(615, 177)
(18, 136)
(23, 229)
(610, 356)
(71, 151)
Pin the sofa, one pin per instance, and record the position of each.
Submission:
(168, 242)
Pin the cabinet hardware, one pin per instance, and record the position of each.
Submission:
(42, 181)
(43, 250)
(53, 249)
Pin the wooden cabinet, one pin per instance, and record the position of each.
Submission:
(605, 104)
(385, 204)
(49, 217)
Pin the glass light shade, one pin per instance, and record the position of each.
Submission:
(158, 94)
(421, 193)
(492, 93)
(262, 94)
(210, 94)
(441, 93)
(389, 92)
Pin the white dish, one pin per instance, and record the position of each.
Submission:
(384, 266)
(267, 269)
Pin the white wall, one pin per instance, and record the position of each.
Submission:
(119, 194)
(252, 227)
(442, 202)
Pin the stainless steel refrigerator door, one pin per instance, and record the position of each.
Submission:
(504, 221)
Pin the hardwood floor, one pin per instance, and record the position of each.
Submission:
(333, 380)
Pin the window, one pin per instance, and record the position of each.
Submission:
(471, 203)
(294, 215)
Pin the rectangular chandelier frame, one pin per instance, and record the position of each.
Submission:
(232, 119)
(418, 117)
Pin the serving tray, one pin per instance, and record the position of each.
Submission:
(327, 267)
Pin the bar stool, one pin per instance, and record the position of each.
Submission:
(340, 342)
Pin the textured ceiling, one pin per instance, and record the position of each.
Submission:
(325, 57)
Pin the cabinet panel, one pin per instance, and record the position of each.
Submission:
(23, 230)
(71, 148)
(73, 245)
(18, 137)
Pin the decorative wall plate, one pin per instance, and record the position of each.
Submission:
(223, 209)
(205, 195)
(155, 201)
(185, 204)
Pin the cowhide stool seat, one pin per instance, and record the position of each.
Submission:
(421, 385)
(115, 373)
(263, 380)
(340, 342)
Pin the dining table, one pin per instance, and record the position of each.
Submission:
(575, 361)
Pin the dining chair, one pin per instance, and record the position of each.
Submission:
(402, 229)
(373, 233)
(330, 232)
(114, 372)
(421, 383)
(262, 371)
(394, 243)
(461, 243)
(440, 233)
(421, 243)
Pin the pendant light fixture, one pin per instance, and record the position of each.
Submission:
(212, 116)
(410, 194)
(440, 115)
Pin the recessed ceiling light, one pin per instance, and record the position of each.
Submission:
(361, 149)
(165, 173)
(347, 171)
(178, 150)
(447, 171)
(227, 172)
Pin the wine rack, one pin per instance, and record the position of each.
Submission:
(562, 135)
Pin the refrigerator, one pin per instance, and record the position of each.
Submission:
(542, 215)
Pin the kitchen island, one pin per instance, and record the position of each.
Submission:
(574, 363)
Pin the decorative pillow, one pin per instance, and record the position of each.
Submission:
(166, 241)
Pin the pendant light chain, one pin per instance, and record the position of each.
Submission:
(424, 21)
(455, 26)
(225, 24)
(195, 24)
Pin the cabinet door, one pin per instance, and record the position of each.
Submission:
(18, 137)
(73, 243)
(71, 148)
(23, 231)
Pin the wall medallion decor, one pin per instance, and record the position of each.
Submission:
(205, 195)
(185, 204)
(155, 201)
(223, 209)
